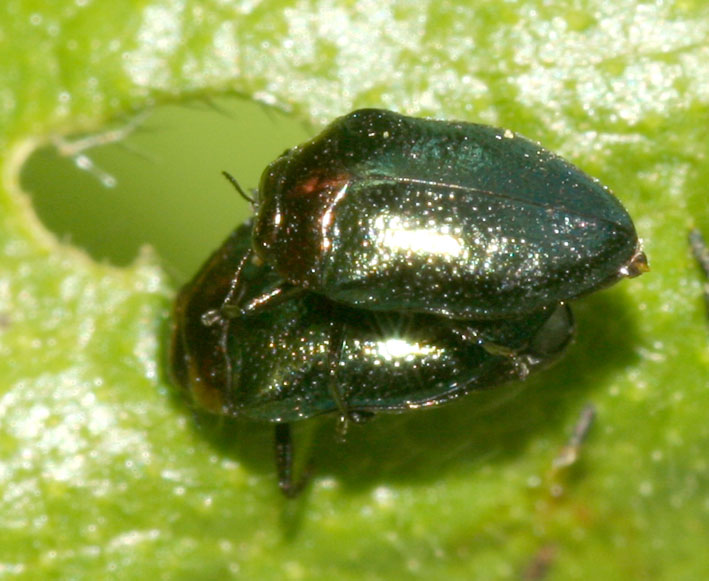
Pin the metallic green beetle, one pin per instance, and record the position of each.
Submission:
(395, 213)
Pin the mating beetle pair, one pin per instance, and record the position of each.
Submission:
(395, 263)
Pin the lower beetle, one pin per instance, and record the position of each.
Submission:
(307, 355)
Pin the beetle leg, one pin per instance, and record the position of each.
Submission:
(471, 335)
(231, 300)
(519, 363)
(701, 254)
(215, 317)
(232, 307)
(279, 294)
(284, 463)
(335, 346)
(497, 349)
(570, 452)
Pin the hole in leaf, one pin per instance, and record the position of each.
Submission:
(169, 191)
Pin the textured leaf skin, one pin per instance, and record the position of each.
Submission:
(102, 474)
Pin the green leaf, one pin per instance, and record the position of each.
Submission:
(105, 474)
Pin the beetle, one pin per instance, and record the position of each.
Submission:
(394, 213)
(307, 355)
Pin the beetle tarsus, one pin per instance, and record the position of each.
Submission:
(284, 463)
(269, 299)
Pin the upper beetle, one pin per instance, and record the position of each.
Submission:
(395, 213)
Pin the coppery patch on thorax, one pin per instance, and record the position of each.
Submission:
(319, 183)
(309, 208)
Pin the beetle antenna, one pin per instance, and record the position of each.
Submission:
(238, 188)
